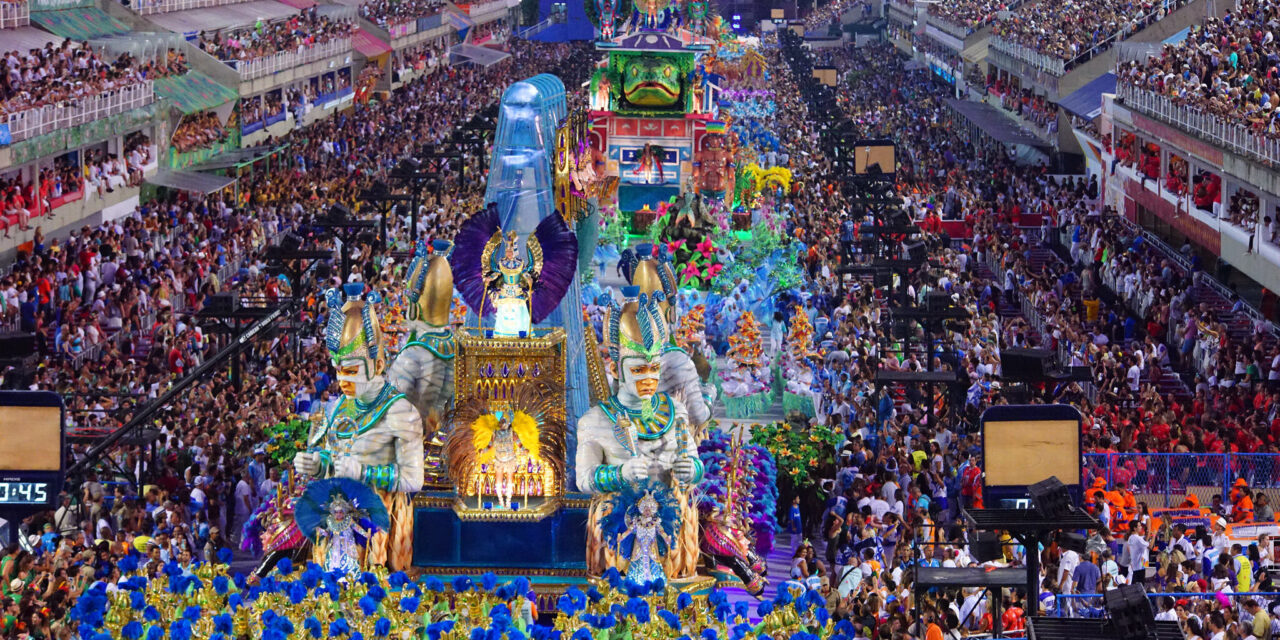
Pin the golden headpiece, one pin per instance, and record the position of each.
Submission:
(353, 331)
(431, 284)
(649, 268)
(637, 328)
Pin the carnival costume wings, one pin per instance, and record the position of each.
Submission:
(540, 431)
(551, 259)
(623, 505)
(312, 508)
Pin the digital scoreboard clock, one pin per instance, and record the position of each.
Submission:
(31, 449)
(26, 492)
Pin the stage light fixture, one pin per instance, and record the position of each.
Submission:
(1051, 498)
(1130, 612)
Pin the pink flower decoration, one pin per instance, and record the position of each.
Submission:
(714, 270)
(706, 248)
(690, 271)
(673, 246)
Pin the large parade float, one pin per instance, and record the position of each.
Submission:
(498, 429)
(491, 424)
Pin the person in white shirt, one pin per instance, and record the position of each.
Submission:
(972, 610)
(1167, 611)
(1139, 548)
(1066, 571)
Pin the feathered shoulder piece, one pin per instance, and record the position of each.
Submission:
(537, 425)
(635, 501)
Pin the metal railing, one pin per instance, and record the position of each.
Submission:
(1083, 605)
(1041, 61)
(1229, 133)
(38, 121)
(1060, 66)
(57, 5)
(285, 60)
(151, 7)
(1173, 474)
(14, 15)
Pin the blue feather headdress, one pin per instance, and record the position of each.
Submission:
(312, 508)
(626, 503)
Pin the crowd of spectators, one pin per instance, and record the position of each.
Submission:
(388, 13)
(69, 70)
(112, 311)
(1106, 300)
(258, 108)
(65, 179)
(1076, 30)
(199, 131)
(971, 15)
(496, 30)
(1226, 66)
(294, 33)
(1029, 106)
(113, 307)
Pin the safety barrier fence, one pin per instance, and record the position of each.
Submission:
(152, 7)
(14, 15)
(38, 121)
(1173, 475)
(1229, 133)
(285, 60)
(1075, 605)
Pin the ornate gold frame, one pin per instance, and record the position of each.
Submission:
(492, 368)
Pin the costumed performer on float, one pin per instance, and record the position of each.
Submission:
(373, 434)
(527, 432)
(340, 516)
(521, 288)
(272, 526)
(638, 434)
(423, 368)
(683, 372)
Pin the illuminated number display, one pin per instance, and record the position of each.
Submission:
(24, 492)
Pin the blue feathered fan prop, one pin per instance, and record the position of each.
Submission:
(312, 508)
(625, 503)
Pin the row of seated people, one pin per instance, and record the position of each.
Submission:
(291, 34)
(57, 73)
(66, 181)
(1075, 30)
(1226, 67)
(386, 13)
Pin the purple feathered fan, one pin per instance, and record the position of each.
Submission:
(559, 251)
(468, 246)
(559, 263)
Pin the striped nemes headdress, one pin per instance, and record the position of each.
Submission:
(638, 327)
(353, 332)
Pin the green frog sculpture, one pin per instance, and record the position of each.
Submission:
(651, 81)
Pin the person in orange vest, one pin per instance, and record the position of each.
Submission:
(1130, 501)
(1242, 509)
(1119, 517)
(1190, 502)
(1099, 483)
(1236, 488)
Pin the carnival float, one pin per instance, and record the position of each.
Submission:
(487, 426)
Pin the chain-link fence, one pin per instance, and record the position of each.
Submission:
(1162, 479)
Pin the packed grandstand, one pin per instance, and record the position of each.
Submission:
(1093, 181)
